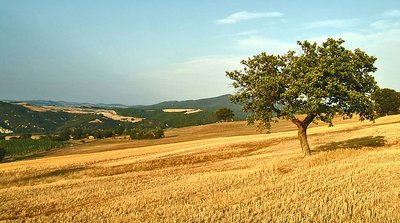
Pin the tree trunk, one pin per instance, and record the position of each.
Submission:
(302, 132)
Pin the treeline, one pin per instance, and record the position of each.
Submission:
(24, 144)
(78, 133)
(135, 133)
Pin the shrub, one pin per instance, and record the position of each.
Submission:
(77, 133)
(107, 134)
(26, 136)
(146, 134)
(2, 153)
(65, 135)
(119, 130)
(100, 134)
(224, 114)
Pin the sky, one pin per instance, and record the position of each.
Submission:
(144, 52)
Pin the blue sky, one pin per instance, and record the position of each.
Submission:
(143, 52)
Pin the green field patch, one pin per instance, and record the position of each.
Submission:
(16, 147)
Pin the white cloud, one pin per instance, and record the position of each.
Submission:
(199, 77)
(384, 24)
(247, 33)
(260, 44)
(392, 13)
(244, 15)
(335, 23)
(206, 67)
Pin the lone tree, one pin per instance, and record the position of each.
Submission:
(320, 81)
(387, 101)
(224, 114)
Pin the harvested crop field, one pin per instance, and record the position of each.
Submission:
(353, 176)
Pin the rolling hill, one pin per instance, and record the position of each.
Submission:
(207, 104)
(21, 119)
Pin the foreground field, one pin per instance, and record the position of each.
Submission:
(221, 179)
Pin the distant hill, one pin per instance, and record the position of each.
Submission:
(19, 119)
(206, 104)
(73, 104)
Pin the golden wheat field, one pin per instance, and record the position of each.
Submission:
(225, 176)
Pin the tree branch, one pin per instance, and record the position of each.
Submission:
(307, 121)
(296, 122)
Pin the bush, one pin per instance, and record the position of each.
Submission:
(224, 114)
(119, 130)
(26, 136)
(147, 134)
(137, 134)
(158, 133)
(64, 135)
(100, 134)
(2, 137)
(107, 134)
(2, 153)
(55, 138)
(77, 133)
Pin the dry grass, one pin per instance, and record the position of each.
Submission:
(219, 179)
(75, 110)
(186, 110)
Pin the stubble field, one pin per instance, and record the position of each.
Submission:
(221, 173)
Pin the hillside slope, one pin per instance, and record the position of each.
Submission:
(207, 104)
(229, 179)
(19, 119)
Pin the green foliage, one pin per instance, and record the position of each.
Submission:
(387, 101)
(77, 133)
(23, 146)
(157, 133)
(26, 136)
(2, 153)
(224, 114)
(107, 134)
(147, 133)
(206, 104)
(119, 130)
(320, 81)
(101, 134)
(158, 118)
(22, 120)
(356, 143)
(65, 135)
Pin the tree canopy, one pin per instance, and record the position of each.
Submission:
(387, 101)
(319, 81)
(224, 114)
